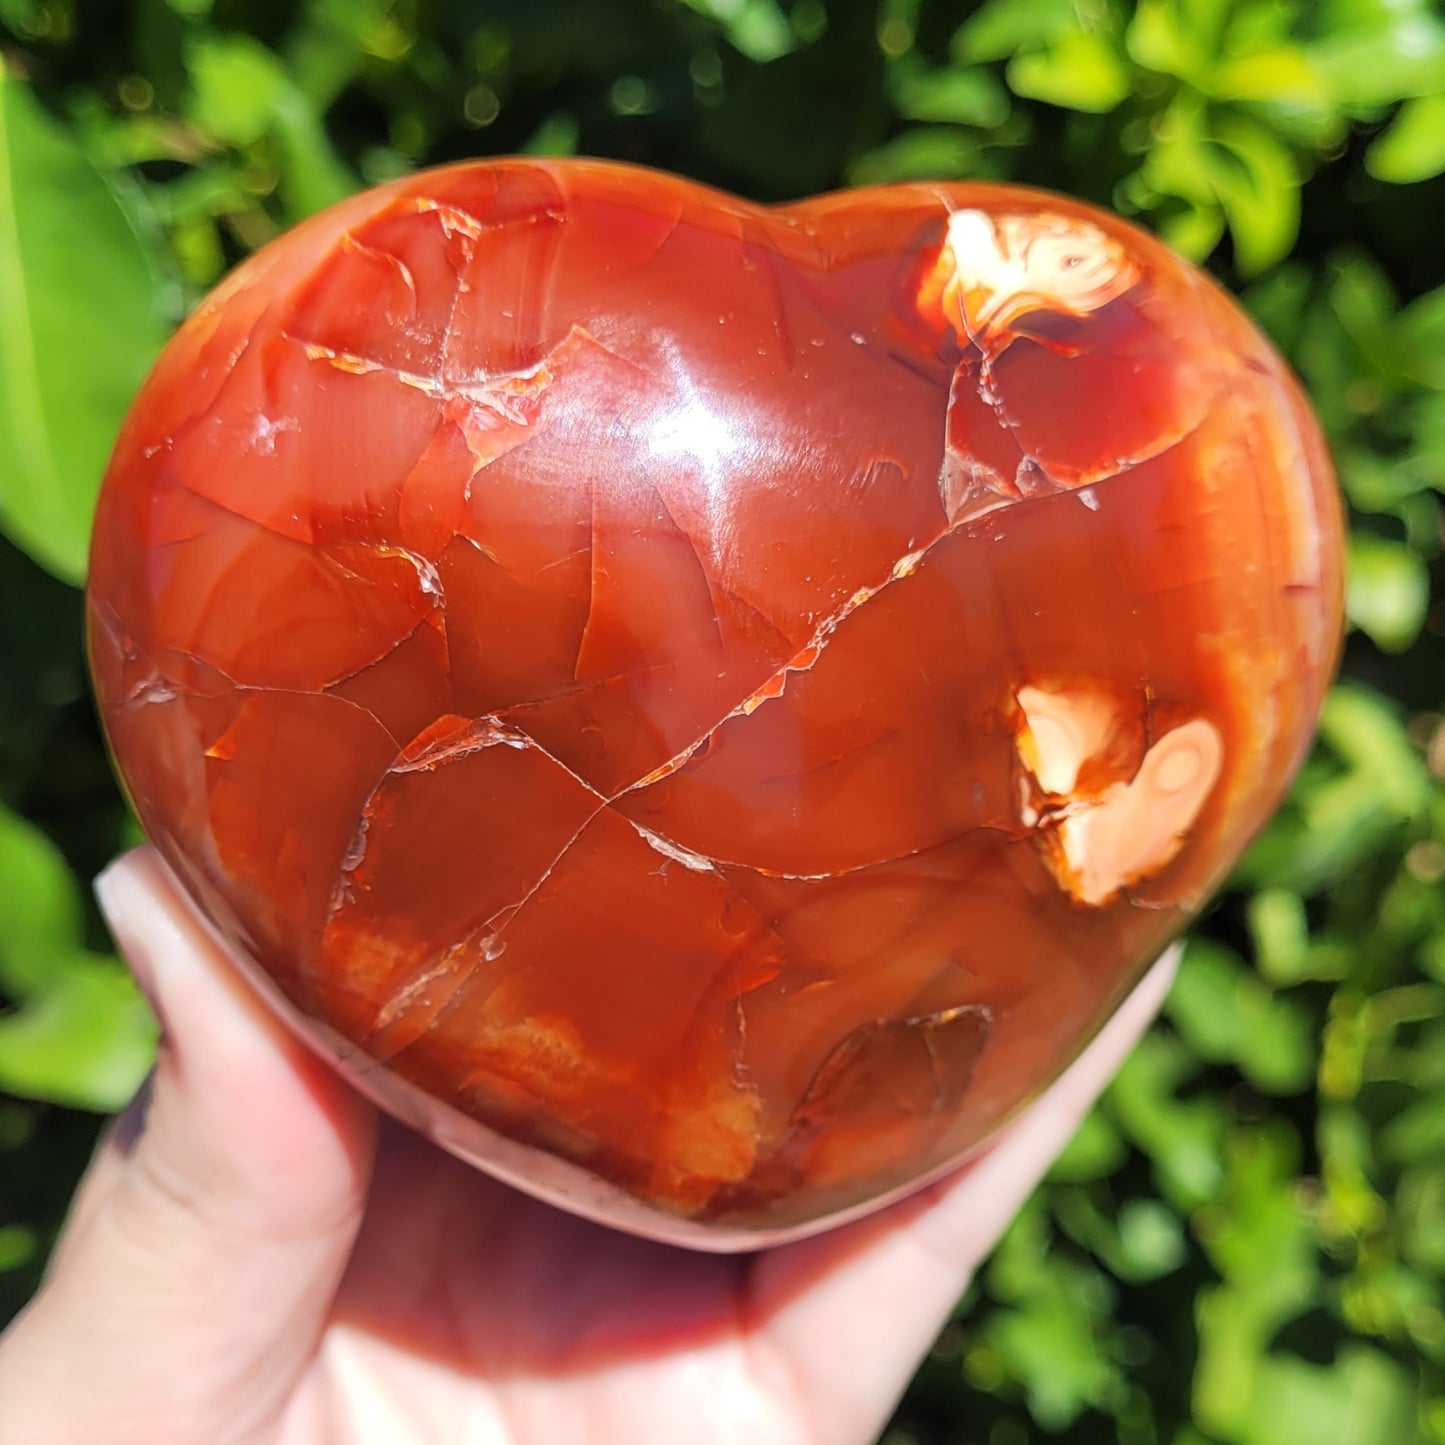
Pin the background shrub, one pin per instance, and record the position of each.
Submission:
(1246, 1243)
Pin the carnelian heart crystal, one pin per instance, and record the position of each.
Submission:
(706, 709)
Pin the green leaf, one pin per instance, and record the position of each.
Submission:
(1260, 193)
(1362, 300)
(1228, 1015)
(756, 28)
(1280, 932)
(1278, 302)
(1160, 39)
(1363, 1398)
(1388, 591)
(1261, 1241)
(329, 45)
(1420, 335)
(1225, 168)
(1416, 1133)
(1081, 71)
(950, 96)
(1151, 1241)
(1005, 27)
(241, 92)
(556, 136)
(19, 15)
(1095, 1151)
(1366, 731)
(17, 1246)
(235, 83)
(1285, 76)
(312, 175)
(1182, 1137)
(1049, 1339)
(1139, 1239)
(1343, 812)
(82, 315)
(1376, 65)
(1177, 166)
(1378, 484)
(78, 1031)
(1427, 425)
(919, 154)
(1413, 148)
(85, 1041)
(1195, 231)
(39, 903)
(1420, 1209)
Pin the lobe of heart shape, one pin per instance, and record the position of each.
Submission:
(706, 709)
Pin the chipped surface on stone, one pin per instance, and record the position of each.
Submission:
(727, 697)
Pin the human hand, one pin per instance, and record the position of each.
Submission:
(251, 1260)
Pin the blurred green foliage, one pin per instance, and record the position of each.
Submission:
(1246, 1243)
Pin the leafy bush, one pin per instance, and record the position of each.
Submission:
(1246, 1243)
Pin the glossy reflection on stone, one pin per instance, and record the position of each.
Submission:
(708, 708)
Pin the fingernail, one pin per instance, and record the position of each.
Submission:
(111, 884)
(117, 891)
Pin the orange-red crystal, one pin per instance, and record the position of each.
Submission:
(728, 698)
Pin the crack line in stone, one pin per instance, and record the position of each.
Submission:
(674, 226)
(488, 391)
(491, 730)
(723, 978)
(806, 657)
(781, 329)
(329, 689)
(695, 862)
(488, 388)
(592, 570)
(469, 253)
(794, 775)
(802, 660)
(351, 242)
(402, 994)
(207, 413)
(702, 862)
(1163, 445)
(1104, 472)
(263, 524)
(262, 689)
(474, 227)
(546, 567)
(585, 685)
(342, 895)
(714, 611)
(492, 928)
(428, 583)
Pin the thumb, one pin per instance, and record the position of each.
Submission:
(194, 1276)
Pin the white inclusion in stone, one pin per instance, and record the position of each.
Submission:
(1109, 837)
(1135, 828)
(1063, 730)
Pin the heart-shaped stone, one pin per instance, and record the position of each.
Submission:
(704, 708)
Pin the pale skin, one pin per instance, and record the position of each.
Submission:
(253, 1260)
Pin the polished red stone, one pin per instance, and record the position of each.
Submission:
(725, 698)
